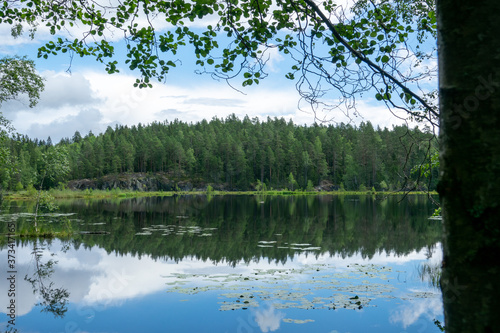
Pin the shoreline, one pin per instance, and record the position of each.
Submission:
(102, 194)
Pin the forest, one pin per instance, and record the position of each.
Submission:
(245, 154)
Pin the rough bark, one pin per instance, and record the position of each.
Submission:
(469, 74)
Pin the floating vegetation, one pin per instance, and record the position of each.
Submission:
(318, 286)
(422, 294)
(97, 232)
(286, 246)
(16, 216)
(177, 230)
(267, 242)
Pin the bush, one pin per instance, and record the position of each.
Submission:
(383, 185)
(19, 186)
(31, 190)
(310, 186)
(210, 190)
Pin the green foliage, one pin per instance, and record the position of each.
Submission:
(231, 153)
(359, 44)
(310, 186)
(54, 165)
(429, 169)
(291, 181)
(258, 186)
(19, 186)
(210, 190)
(46, 202)
(18, 76)
(31, 190)
(288, 216)
(437, 212)
(383, 185)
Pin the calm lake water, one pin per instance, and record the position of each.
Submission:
(228, 264)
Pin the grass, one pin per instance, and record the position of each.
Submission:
(117, 193)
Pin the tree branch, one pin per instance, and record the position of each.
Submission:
(363, 58)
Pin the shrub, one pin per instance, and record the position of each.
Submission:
(19, 186)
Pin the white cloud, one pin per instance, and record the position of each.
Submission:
(84, 121)
(62, 89)
(269, 319)
(413, 312)
(93, 100)
(97, 279)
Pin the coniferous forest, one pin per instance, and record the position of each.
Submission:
(239, 154)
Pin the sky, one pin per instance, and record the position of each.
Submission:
(83, 97)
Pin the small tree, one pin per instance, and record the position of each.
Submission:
(55, 165)
(19, 186)
(258, 186)
(310, 186)
(210, 190)
(291, 181)
(383, 185)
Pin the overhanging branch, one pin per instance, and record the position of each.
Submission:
(376, 68)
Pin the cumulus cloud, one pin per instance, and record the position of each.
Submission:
(93, 100)
(63, 89)
(84, 121)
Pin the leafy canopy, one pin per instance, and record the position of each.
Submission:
(378, 46)
(18, 76)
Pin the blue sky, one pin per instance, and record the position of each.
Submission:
(88, 99)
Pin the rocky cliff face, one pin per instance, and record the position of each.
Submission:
(132, 182)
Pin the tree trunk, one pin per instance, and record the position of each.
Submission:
(469, 75)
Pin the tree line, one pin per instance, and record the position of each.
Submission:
(243, 154)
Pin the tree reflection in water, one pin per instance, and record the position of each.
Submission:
(53, 299)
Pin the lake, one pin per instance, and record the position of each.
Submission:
(227, 264)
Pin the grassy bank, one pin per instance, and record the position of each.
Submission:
(117, 193)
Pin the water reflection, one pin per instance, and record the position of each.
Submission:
(268, 319)
(419, 312)
(53, 299)
(234, 228)
(323, 266)
(102, 283)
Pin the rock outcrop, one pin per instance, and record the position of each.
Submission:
(132, 182)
